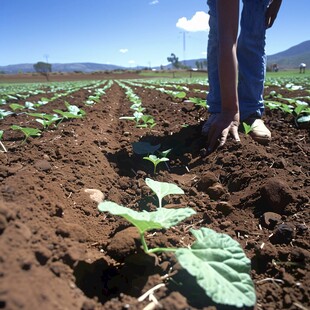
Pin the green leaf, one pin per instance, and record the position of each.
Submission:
(247, 128)
(16, 106)
(220, 267)
(162, 189)
(180, 95)
(144, 221)
(144, 148)
(303, 119)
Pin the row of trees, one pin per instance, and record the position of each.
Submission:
(45, 68)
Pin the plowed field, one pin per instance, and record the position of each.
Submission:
(57, 251)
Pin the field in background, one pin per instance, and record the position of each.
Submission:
(60, 77)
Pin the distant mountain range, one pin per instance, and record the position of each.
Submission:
(288, 59)
(292, 57)
(86, 67)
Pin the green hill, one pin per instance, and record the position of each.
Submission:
(292, 57)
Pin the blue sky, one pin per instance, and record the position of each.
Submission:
(124, 32)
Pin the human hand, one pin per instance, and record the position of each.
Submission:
(224, 123)
(272, 12)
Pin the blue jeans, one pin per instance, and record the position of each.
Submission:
(251, 59)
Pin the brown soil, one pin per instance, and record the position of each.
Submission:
(59, 252)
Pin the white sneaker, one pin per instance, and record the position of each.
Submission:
(259, 133)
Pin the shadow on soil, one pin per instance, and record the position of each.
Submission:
(185, 144)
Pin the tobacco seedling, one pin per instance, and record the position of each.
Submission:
(199, 102)
(16, 106)
(155, 160)
(45, 119)
(286, 108)
(247, 128)
(27, 131)
(162, 189)
(73, 112)
(216, 260)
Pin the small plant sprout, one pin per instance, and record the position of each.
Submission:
(73, 112)
(16, 106)
(155, 160)
(27, 131)
(45, 119)
(199, 102)
(1, 144)
(216, 260)
(247, 128)
(162, 189)
(286, 108)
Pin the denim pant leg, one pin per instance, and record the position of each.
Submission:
(214, 95)
(252, 58)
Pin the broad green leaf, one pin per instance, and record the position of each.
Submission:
(41, 115)
(144, 221)
(144, 148)
(16, 106)
(162, 189)
(180, 94)
(220, 267)
(28, 131)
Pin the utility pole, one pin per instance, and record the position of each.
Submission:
(46, 57)
(184, 47)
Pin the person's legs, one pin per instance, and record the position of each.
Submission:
(252, 58)
(214, 95)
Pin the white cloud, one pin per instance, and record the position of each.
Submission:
(123, 50)
(131, 62)
(199, 22)
(154, 2)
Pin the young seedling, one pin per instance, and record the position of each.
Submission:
(16, 106)
(147, 121)
(247, 128)
(45, 119)
(141, 120)
(162, 189)
(27, 131)
(155, 160)
(73, 112)
(199, 102)
(286, 108)
(216, 260)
